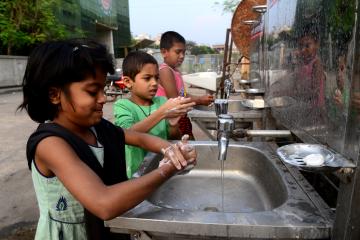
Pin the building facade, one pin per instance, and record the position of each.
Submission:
(106, 21)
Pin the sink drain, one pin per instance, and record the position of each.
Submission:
(211, 209)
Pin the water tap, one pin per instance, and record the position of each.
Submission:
(228, 88)
(221, 106)
(225, 127)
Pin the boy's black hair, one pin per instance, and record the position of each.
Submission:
(57, 64)
(168, 39)
(134, 62)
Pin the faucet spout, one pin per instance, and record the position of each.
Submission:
(223, 144)
(225, 126)
(228, 87)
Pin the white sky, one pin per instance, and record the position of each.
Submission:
(200, 21)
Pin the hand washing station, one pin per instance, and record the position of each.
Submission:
(256, 197)
(205, 116)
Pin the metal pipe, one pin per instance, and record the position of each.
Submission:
(268, 133)
(225, 61)
(245, 81)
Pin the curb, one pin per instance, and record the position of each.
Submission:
(7, 90)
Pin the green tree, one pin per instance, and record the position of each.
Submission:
(24, 23)
(202, 49)
(229, 5)
(189, 45)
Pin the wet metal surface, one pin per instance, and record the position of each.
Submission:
(261, 199)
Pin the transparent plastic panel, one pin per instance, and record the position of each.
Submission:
(309, 51)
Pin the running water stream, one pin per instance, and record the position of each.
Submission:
(222, 163)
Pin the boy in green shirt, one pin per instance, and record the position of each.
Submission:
(143, 112)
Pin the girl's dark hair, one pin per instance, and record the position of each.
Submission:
(134, 62)
(56, 64)
(168, 39)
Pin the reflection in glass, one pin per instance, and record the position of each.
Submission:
(309, 46)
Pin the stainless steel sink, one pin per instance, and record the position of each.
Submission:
(262, 199)
(246, 187)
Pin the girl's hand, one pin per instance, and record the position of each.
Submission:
(173, 155)
(177, 107)
(187, 152)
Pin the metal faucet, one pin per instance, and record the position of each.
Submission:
(221, 106)
(228, 88)
(225, 127)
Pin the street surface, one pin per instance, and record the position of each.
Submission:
(18, 205)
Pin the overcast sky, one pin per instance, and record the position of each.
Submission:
(198, 20)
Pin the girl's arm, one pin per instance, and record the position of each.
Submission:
(55, 157)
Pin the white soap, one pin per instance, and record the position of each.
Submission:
(314, 159)
(258, 103)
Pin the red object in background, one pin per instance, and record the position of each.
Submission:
(120, 83)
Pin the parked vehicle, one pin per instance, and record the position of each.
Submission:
(115, 85)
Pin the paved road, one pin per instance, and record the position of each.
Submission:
(17, 198)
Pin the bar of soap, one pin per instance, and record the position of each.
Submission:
(314, 159)
(258, 103)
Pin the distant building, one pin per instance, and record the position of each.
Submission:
(106, 21)
(221, 48)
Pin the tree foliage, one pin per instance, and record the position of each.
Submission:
(24, 23)
(229, 5)
(202, 49)
(342, 20)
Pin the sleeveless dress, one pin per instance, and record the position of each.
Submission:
(61, 215)
(185, 126)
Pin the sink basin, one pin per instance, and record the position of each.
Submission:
(247, 187)
(261, 198)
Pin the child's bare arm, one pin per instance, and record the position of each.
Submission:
(202, 100)
(54, 155)
(174, 107)
(167, 81)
